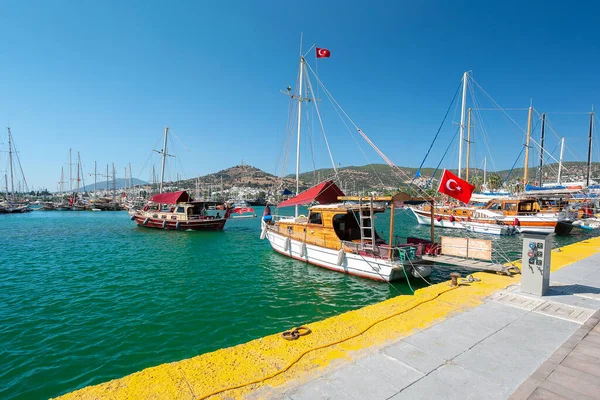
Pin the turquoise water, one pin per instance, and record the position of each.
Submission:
(87, 297)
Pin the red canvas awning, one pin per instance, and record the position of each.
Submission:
(171, 198)
(324, 193)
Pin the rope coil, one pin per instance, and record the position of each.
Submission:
(295, 333)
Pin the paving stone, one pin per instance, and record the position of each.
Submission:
(575, 380)
(543, 394)
(317, 389)
(421, 359)
(390, 370)
(563, 391)
(588, 348)
(584, 363)
(359, 383)
(525, 390)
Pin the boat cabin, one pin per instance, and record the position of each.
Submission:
(514, 207)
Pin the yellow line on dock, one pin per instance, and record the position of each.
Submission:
(273, 357)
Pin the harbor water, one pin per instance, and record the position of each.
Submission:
(87, 297)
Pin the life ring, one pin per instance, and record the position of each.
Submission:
(146, 221)
(301, 216)
(516, 222)
(177, 225)
(164, 224)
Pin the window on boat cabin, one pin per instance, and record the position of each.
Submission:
(495, 206)
(180, 209)
(346, 226)
(510, 207)
(315, 218)
(525, 207)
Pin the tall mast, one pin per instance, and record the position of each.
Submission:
(164, 156)
(299, 128)
(130, 177)
(70, 174)
(540, 171)
(527, 146)
(589, 163)
(125, 180)
(77, 172)
(468, 144)
(562, 150)
(153, 178)
(485, 172)
(462, 123)
(107, 179)
(62, 178)
(95, 177)
(10, 161)
(114, 180)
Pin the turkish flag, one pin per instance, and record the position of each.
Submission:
(242, 210)
(455, 187)
(323, 53)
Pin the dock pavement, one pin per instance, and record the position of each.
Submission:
(481, 340)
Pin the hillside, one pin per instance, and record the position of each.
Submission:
(379, 177)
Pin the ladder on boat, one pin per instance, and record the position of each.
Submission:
(367, 236)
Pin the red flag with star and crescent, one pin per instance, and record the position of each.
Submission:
(453, 186)
(323, 53)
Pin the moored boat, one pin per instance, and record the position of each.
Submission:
(177, 211)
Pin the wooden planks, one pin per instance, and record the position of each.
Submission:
(467, 247)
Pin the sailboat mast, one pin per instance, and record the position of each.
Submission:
(589, 161)
(125, 183)
(540, 171)
(299, 128)
(107, 179)
(164, 157)
(468, 144)
(77, 172)
(462, 123)
(70, 174)
(525, 171)
(10, 162)
(130, 177)
(485, 172)
(562, 150)
(62, 179)
(95, 177)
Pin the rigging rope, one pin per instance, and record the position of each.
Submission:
(436, 134)
(442, 159)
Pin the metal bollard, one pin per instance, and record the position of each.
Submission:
(454, 276)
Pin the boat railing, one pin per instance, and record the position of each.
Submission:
(397, 252)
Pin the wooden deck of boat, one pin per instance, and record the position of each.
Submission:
(572, 372)
(467, 263)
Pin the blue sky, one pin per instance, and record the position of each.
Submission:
(104, 78)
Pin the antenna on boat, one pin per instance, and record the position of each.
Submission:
(589, 161)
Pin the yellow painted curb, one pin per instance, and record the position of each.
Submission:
(368, 327)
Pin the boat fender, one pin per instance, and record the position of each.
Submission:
(177, 225)
(439, 218)
(164, 224)
(263, 232)
(516, 222)
(286, 245)
(132, 218)
(340, 257)
(452, 218)
(302, 249)
(146, 221)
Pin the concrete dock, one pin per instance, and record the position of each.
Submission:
(484, 339)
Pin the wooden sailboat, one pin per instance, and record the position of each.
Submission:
(339, 233)
(177, 211)
(10, 204)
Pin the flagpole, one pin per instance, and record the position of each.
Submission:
(462, 123)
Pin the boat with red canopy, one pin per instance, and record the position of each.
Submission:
(177, 211)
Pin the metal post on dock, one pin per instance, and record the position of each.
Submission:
(432, 228)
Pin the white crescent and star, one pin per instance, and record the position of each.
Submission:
(322, 52)
(456, 187)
